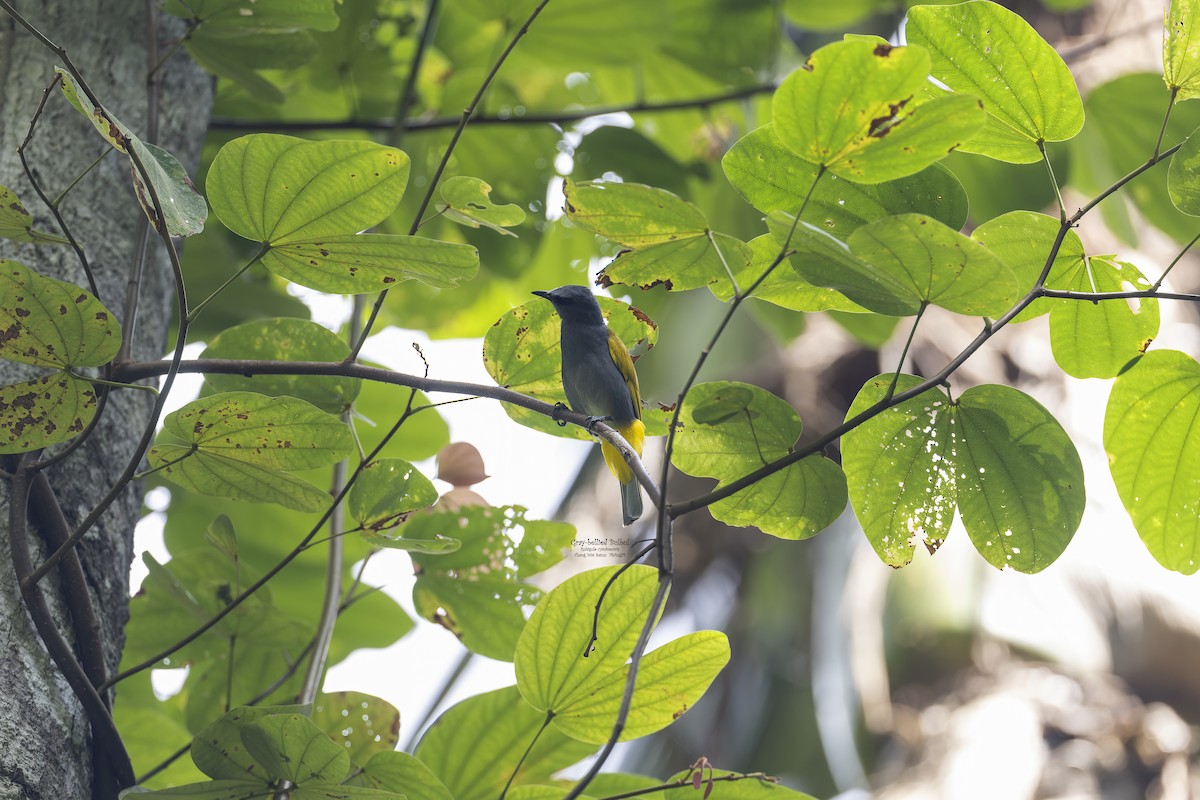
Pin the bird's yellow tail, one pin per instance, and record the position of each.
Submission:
(631, 493)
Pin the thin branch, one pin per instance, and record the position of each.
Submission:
(1158, 283)
(1094, 297)
(686, 780)
(52, 206)
(525, 755)
(441, 167)
(409, 93)
(587, 651)
(536, 118)
(443, 692)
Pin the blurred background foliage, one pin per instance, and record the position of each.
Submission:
(844, 674)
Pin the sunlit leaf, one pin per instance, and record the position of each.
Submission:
(276, 189)
(632, 215)
(244, 445)
(773, 178)
(466, 201)
(386, 492)
(400, 772)
(795, 502)
(477, 590)
(1183, 176)
(670, 680)
(1181, 49)
(1023, 240)
(824, 260)
(475, 747)
(1097, 340)
(1153, 446)
(983, 49)
(361, 724)
(936, 264)
(900, 469)
(1020, 480)
(852, 108)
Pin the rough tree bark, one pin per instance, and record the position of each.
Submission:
(45, 740)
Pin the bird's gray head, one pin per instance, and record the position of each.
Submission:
(574, 304)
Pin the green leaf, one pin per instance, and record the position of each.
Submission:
(557, 663)
(475, 746)
(16, 224)
(900, 469)
(851, 109)
(824, 260)
(244, 445)
(363, 725)
(1023, 240)
(772, 178)
(783, 287)
(290, 746)
(387, 491)
(218, 749)
(467, 203)
(521, 351)
(1097, 340)
(1153, 446)
(669, 681)
(278, 189)
(983, 49)
(936, 264)
(1020, 481)
(369, 262)
(686, 263)
(794, 503)
(1183, 176)
(1181, 49)
(184, 210)
(630, 214)
(51, 323)
(284, 339)
(399, 772)
(477, 590)
(44, 411)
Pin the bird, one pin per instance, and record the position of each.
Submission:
(600, 381)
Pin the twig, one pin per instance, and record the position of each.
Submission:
(639, 649)
(536, 118)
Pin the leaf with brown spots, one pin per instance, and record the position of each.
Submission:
(16, 223)
(51, 323)
(44, 411)
(245, 446)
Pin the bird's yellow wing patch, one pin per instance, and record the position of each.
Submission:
(620, 356)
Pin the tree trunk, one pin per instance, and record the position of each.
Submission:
(45, 736)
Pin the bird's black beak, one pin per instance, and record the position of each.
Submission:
(540, 293)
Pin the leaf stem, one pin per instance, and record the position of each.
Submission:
(1158, 283)
(1062, 208)
(196, 309)
(1162, 131)
(904, 353)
